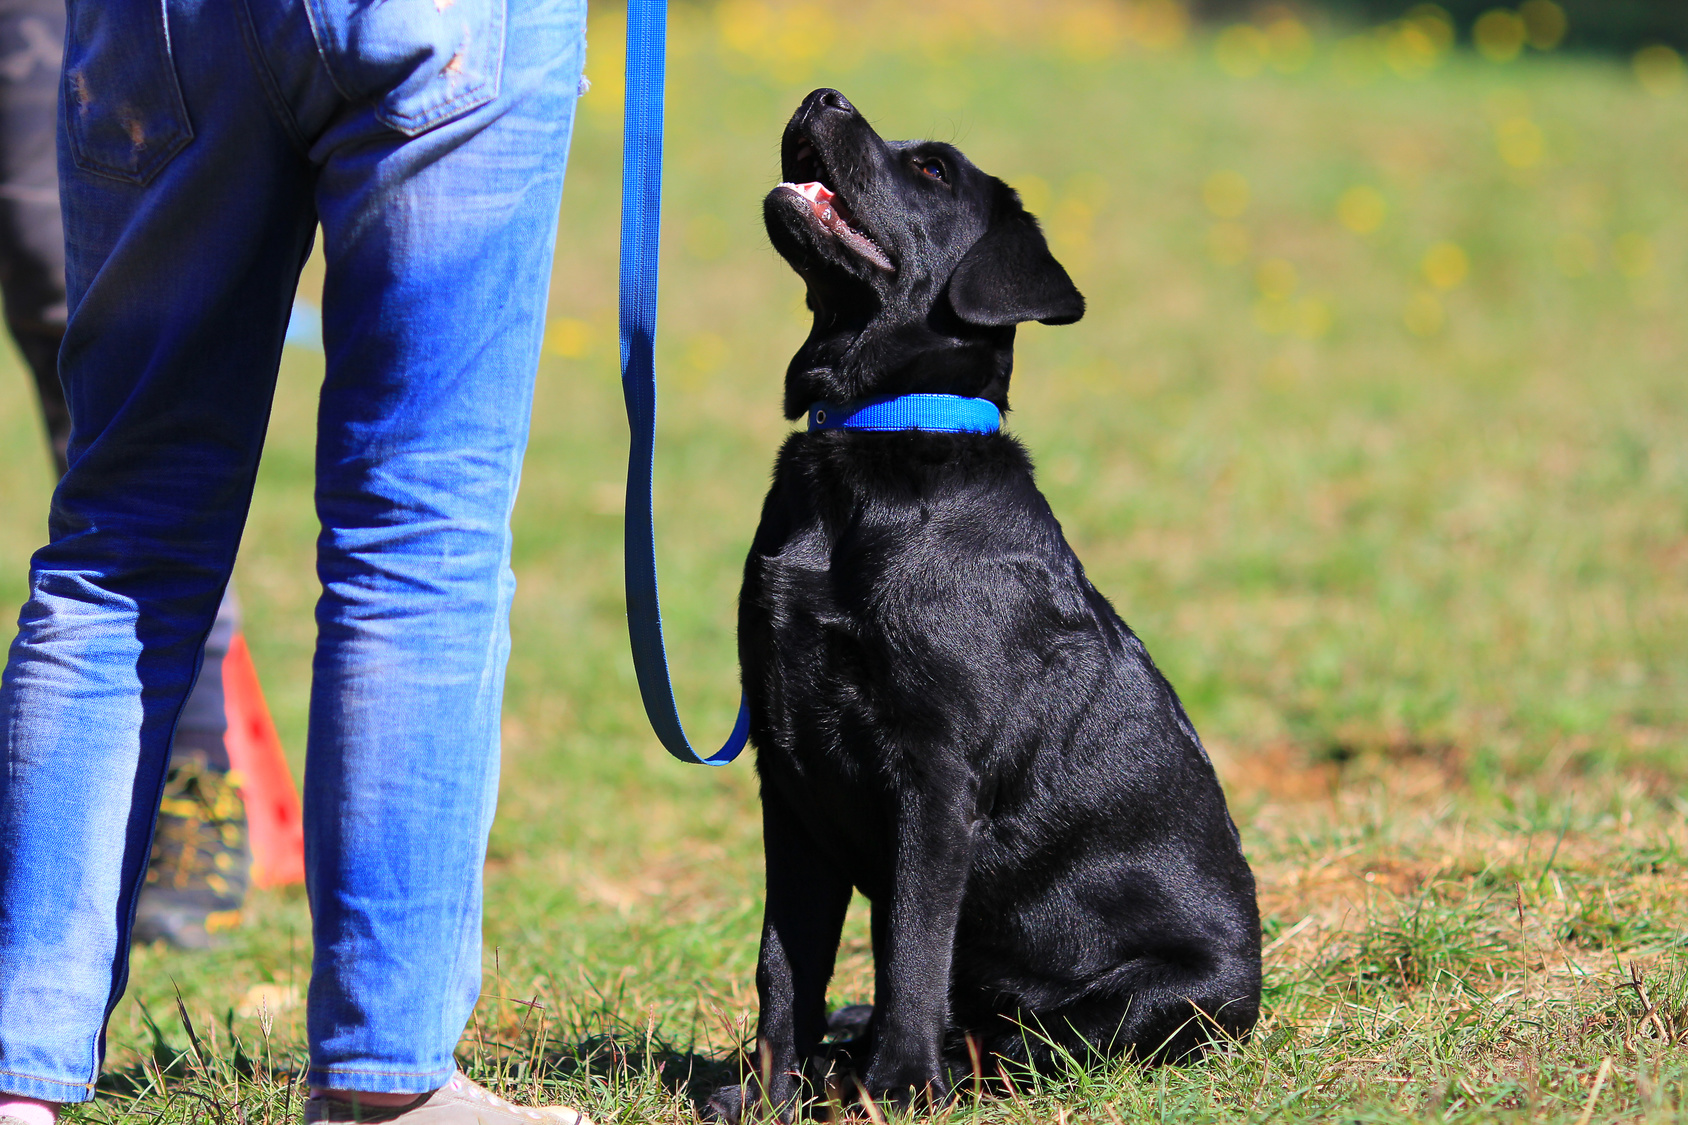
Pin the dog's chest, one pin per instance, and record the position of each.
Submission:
(885, 619)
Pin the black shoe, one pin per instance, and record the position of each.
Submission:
(200, 866)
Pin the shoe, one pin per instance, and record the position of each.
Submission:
(33, 1112)
(458, 1102)
(200, 864)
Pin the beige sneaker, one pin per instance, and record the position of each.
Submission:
(458, 1102)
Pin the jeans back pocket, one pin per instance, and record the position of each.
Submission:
(122, 104)
(421, 62)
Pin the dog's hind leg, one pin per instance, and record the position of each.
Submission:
(807, 901)
(1155, 1012)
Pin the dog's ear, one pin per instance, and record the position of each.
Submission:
(1010, 276)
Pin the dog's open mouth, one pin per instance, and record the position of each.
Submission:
(835, 217)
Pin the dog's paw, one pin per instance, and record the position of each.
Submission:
(849, 1022)
(733, 1105)
(912, 1086)
(726, 1105)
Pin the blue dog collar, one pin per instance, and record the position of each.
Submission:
(948, 414)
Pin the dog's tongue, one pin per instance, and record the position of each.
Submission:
(815, 192)
(820, 197)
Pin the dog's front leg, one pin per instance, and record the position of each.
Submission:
(807, 900)
(913, 945)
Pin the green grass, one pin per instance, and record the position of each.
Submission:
(1425, 595)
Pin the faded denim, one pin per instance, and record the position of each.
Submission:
(201, 142)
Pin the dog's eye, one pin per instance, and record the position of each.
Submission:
(935, 169)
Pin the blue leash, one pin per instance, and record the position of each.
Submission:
(641, 230)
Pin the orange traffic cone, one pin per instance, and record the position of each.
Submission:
(274, 820)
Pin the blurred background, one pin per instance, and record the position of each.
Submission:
(1376, 431)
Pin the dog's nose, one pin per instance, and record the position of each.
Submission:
(827, 100)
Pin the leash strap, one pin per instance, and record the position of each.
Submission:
(950, 414)
(641, 228)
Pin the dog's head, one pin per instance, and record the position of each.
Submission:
(918, 264)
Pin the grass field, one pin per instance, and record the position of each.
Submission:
(1376, 431)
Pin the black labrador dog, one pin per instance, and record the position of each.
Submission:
(947, 714)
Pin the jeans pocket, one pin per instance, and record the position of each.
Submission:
(421, 62)
(122, 105)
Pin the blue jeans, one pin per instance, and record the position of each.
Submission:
(201, 142)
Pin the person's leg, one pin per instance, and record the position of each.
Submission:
(31, 239)
(201, 731)
(198, 872)
(183, 245)
(169, 375)
(200, 865)
(439, 250)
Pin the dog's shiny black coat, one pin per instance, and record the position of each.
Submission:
(947, 714)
